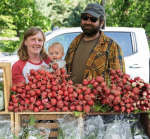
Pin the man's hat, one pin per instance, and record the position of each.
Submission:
(95, 10)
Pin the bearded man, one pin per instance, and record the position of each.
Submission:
(92, 53)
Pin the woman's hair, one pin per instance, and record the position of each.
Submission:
(22, 51)
(55, 44)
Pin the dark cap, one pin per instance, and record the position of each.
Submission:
(95, 10)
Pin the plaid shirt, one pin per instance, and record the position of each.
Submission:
(106, 55)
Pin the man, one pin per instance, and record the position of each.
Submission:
(92, 53)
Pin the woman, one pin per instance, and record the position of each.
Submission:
(32, 55)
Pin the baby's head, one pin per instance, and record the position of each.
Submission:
(56, 51)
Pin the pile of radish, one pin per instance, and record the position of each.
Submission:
(54, 91)
(50, 91)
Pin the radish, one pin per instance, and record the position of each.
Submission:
(55, 66)
(86, 108)
(65, 109)
(38, 103)
(116, 108)
(90, 102)
(32, 100)
(87, 97)
(36, 109)
(53, 101)
(31, 106)
(60, 104)
(41, 107)
(72, 107)
(112, 72)
(123, 109)
(85, 82)
(79, 108)
(21, 108)
(58, 109)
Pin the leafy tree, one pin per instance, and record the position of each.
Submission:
(23, 15)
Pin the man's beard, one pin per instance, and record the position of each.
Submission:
(90, 31)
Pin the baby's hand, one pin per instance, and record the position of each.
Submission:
(42, 66)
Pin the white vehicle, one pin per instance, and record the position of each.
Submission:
(133, 42)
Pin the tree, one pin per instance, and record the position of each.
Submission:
(23, 15)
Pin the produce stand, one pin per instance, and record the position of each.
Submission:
(7, 79)
(50, 116)
(7, 83)
(19, 119)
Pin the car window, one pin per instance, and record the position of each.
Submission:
(64, 39)
(123, 39)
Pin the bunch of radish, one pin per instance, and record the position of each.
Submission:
(52, 91)
(125, 94)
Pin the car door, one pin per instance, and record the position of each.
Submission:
(135, 61)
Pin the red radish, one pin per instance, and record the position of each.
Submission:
(90, 102)
(103, 84)
(31, 106)
(58, 109)
(86, 108)
(72, 107)
(36, 109)
(48, 105)
(112, 72)
(132, 108)
(23, 95)
(55, 66)
(85, 82)
(70, 90)
(136, 90)
(62, 70)
(14, 88)
(38, 77)
(65, 108)
(124, 81)
(38, 103)
(128, 111)
(28, 88)
(16, 104)
(32, 71)
(32, 93)
(99, 79)
(123, 109)
(15, 109)
(37, 92)
(15, 100)
(41, 107)
(79, 91)
(116, 108)
(21, 108)
(59, 97)
(22, 102)
(128, 105)
(53, 101)
(44, 95)
(19, 90)
(87, 97)
(10, 108)
(66, 103)
(66, 98)
(92, 81)
(60, 104)
(32, 100)
(95, 84)
(79, 108)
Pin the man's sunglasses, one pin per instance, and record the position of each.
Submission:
(85, 18)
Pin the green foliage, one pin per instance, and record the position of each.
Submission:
(19, 15)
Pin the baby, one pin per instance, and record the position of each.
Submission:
(56, 52)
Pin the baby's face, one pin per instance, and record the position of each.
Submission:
(55, 52)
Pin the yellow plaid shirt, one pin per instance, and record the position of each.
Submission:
(106, 55)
